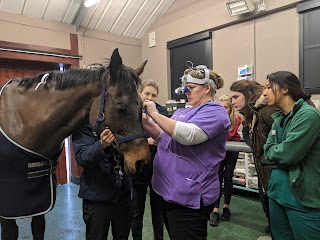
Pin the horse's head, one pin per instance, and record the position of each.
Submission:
(123, 112)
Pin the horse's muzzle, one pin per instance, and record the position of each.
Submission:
(137, 157)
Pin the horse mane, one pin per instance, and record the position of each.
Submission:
(80, 77)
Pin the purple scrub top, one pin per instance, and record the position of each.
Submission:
(185, 174)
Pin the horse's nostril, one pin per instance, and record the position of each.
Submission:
(140, 166)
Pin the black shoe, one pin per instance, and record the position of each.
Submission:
(225, 216)
(267, 229)
(214, 219)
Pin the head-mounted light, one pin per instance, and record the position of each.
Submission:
(187, 78)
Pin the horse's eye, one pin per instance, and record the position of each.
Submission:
(120, 107)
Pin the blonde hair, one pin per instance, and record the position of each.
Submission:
(148, 83)
(217, 78)
(233, 113)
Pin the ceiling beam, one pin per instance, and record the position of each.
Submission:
(79, 16)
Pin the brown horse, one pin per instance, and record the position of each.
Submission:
(38, 113)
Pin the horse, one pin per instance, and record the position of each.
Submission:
(38, 113)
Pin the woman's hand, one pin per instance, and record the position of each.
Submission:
(150, 107)
(106, 138)
(151, 141)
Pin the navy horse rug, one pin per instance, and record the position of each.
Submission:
(27, 181)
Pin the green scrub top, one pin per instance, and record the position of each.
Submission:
(279, 189)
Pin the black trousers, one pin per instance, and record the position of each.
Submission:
(98, 215)
(264, 200)
(186, 223)
(225, 176)
(10, 231)
(139, 199)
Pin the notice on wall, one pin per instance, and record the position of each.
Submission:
(245, 72)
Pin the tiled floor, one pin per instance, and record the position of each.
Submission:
(65, 222)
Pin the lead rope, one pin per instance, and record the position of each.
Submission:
(119, 177)
(118, 168)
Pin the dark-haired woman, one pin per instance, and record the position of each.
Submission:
(293, 149)
(248, 99)
(106, 193)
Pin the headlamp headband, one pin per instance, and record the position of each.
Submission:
(188, 78)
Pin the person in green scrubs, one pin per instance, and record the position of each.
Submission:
(293, 149)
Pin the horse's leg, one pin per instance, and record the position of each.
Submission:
(38, 226)
(9, 229)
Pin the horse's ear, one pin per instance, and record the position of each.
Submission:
(115, 64)
(140, 69)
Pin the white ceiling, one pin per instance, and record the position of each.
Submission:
(130, 18)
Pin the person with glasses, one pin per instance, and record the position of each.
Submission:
(191, 145)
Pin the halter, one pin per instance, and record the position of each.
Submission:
(101, 117)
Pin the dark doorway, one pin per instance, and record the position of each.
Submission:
(196, 48)
(309, 18)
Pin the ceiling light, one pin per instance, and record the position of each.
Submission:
(90, 3)
(236, 7)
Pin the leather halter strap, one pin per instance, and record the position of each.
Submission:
(128, 138)
(100, 116)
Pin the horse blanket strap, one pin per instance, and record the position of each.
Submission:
(27, 181)
(2, 87)
(100, 116)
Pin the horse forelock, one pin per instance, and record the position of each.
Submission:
(127, 79)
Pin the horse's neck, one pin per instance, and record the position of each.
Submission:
(40, 120)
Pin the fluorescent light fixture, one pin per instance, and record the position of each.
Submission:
(236, 7)
(90, 3)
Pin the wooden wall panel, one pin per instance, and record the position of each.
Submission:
(7, 73)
